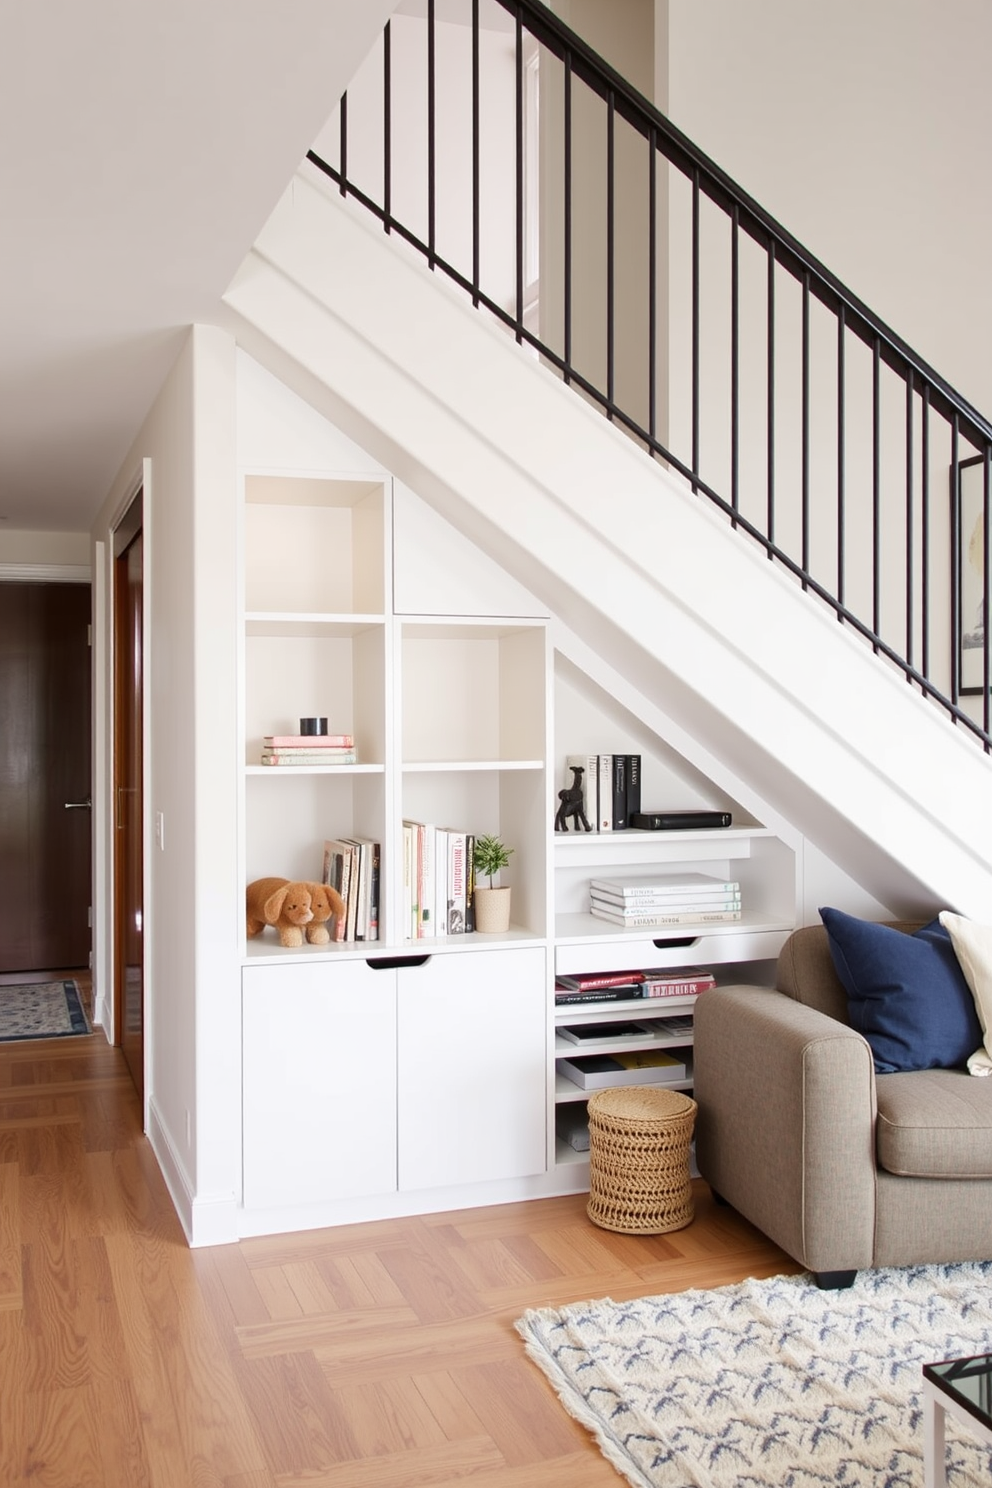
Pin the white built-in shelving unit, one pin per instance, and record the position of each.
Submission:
(403, 1074)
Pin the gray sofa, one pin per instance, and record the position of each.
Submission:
(843, 1168)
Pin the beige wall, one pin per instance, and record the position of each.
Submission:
(861, 129)
(623, 33)
(864, 128)
(58, 548)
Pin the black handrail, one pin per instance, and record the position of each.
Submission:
(938, 637)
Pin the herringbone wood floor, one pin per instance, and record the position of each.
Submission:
(371, 1356)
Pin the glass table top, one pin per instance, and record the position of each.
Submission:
(968, 1381)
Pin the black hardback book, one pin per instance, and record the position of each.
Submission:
(679, 821)
(633, 787)
(620, 820)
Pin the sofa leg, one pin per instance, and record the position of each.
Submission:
(834, 1281)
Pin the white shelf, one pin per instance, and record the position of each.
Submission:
(291, 623)
(314, 769)
(566, 1090)
(427, 767)
(565, 1049)
(633, 845)
(591, 930)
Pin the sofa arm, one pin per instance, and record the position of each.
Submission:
(785, 1130)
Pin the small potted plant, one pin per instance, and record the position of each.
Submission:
(492, 904)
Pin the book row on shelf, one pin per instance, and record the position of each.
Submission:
(665, 899)
(438, 880)
(351, 865)
(308, 750)
(611, 788)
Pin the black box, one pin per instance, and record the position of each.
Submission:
(678, 821)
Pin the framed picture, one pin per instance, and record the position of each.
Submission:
(970, 560)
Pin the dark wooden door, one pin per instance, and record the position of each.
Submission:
(45, 817)
(129, 990)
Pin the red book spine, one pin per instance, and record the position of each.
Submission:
(676, 989)
(602, 979)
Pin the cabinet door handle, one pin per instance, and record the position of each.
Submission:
(676, 942)
(390, 963)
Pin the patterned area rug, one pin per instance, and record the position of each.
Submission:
(771, 1382)
(34, 1010)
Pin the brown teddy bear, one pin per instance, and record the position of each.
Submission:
(326, 904)
(293, 909)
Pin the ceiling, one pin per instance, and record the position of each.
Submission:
(143, 144)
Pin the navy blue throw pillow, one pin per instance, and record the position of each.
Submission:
(905, 993)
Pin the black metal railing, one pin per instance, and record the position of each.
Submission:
(519, 164)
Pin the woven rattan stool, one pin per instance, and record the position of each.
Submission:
(639, 1140)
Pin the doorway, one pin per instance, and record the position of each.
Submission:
(45, 857)
(129, 975)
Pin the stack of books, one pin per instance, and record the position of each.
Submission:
(351, 865)
(665, 899)
(621, 986)
(438, 881)
(638, 1067)
(308, 750)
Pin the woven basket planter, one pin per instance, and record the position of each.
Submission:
(639, 1138)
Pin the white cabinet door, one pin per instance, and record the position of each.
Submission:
(472, 1068)
(319, 1082)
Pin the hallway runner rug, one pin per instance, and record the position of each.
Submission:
(771, 1382)
(36, 1010)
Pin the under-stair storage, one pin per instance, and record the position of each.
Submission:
(364, 1079)
(423, 1068)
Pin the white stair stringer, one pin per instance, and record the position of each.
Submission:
(648, 575)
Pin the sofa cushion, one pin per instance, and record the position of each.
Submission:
(906, 994)
(934, 1124)
(973, 947)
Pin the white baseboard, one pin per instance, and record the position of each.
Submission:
(206, 1219)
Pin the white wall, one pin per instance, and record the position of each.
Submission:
(453, 138)
(192, 899)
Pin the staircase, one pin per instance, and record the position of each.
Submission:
(840, 737)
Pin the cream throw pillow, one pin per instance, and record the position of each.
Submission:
(973, 947)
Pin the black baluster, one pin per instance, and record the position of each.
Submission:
(567, 344)
(610, 249)
(955, 564)
(841, 456)
(805, 429)
(476, 184)
(652, 284)
(735, 358)
(519, 243)
(910, 646)
(343, 146)
(387, 131)
(431, 136)
(925, 531)
(770, 520)
(986, 581)
(876, 487)
(695, 326)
